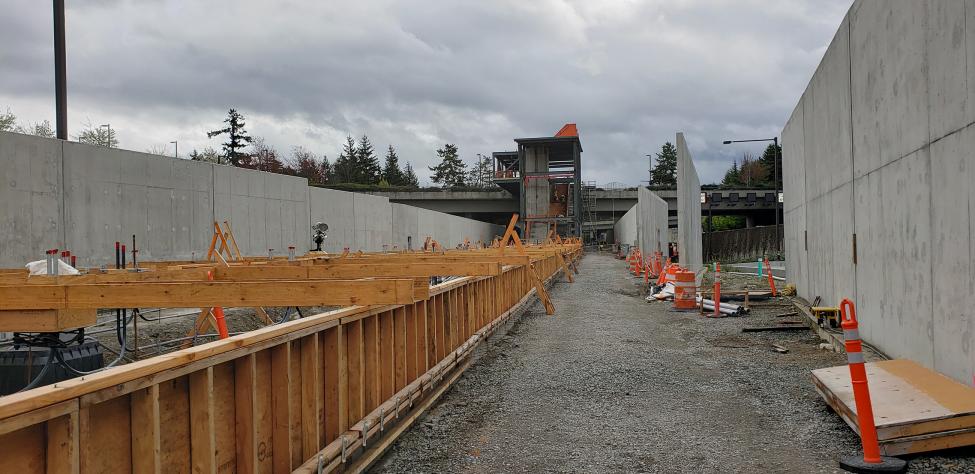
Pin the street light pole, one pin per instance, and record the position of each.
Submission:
(176, 145)
(775, 181)
(60, 74)
(650, 169)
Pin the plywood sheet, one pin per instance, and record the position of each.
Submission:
(910, 402)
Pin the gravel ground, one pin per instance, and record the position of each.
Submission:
(612, 383)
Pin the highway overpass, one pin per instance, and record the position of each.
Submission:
(496, 206)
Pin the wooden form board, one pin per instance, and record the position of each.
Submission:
(915, 409)
(264, 401)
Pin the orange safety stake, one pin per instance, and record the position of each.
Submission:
(218, 315)
(771, 281)
(717, 289)
(871, 461)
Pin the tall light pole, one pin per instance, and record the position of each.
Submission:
(650, 169)
(775, 180)
(60, 74)
(176, 146)
(108, 140)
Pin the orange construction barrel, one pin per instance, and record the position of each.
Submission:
(685, 291)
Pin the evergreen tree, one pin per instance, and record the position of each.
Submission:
(344, 168)
(237, 138)
(409, 176)
(451, 171)
(391, 172)
(665, 171)
(770, 156)
(368, 170)
(732, 177)
(327, 171)
(480, 173)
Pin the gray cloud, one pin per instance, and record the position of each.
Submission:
(420, 73)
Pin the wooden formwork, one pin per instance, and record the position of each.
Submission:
(325, 390)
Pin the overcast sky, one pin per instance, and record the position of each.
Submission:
(417, 74)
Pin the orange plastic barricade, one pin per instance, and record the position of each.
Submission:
(871, 461)
(685, 291)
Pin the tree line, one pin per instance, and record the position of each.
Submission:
(356, 164)
(750, 173)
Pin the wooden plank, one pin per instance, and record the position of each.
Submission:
(263, 412)
(105, 429)
(62, 445)
(174, 422)
(355, 377)
(46, 320)
(908, 400)
(310, 437)
(295, 398)
(207, 294)
(371, 371)
(411, 342)
(336, 384)
(386, 356)
(23, 450)
(399, 350)
(145, 433)
(37, 416)
(225, 417)
(423, 333)
(245, 394)
(202, 431)
(281, 390)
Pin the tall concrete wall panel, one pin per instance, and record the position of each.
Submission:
(689, 234)
(30, 198)
(625, 229)
(406, 231)
(266, 210)
(373, 222)
(67, 195)
(652, 222)
(112, 194)
(334, 208)
(879, 150)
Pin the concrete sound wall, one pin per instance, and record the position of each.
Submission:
(652, 222)
(67, 195)
(625, 228)
(689, 235)
(878, 174)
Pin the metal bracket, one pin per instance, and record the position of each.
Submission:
(365, 433)
(397, 407)
(345, 444)
(382, 418)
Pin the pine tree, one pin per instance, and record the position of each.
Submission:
(770, 156)
(344, 168)
(368, 170)
(451, 171)
(409, 176)
(480, 173)
(391, 172)
(327, 172)
(665, 172)
(732, 177)
(237, 138)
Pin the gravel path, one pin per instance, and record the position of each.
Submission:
(612, 383)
